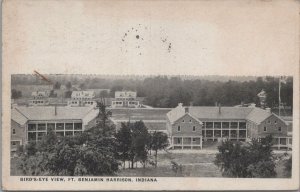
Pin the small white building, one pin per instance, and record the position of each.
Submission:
(80, 98)
(39, 98)
(125, 99)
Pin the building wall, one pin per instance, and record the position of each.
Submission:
(252, 129)
(272, 125)
(186, 124)
(19, 137)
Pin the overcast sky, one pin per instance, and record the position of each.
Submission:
(151, 37)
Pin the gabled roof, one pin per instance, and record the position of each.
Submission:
(223, 113)
(48, 112)
(18, 117)
(254, 114)
(188, 114)
(257, 115)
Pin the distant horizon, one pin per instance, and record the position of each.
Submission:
(240, 78)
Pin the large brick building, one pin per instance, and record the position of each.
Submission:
(188, 126)
(32, 123)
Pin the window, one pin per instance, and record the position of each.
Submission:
(69, 126)
(178, 128)
(217, 125)
(31, 136)
(269, 121)
(233, 124)
(31, 127)
(194, 139)
(190, 120)
(178, 140)
(183, 121)
(60, 134)
(242, 125)
(275, 122)
(14, 131)
(41, 135)
(50, 126)
(265, 129)
(78, 126)
(209, 125)
(194, 128)
(279, 129)
(13, 143)
(69, 133)
(41, 126)
(225, 125)
(59, 126)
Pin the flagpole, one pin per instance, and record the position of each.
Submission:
(279, 99)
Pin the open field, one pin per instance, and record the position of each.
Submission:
(140, 114)
(193, 165)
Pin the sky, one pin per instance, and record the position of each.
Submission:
(151, 37)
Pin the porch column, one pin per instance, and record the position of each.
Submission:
(192, 143)
(221, 129)
(181, 142)
(278, 142)
(205, 130)
(201, 142)
(238, 132)
(213, 131)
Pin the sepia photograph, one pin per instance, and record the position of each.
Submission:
(167, 95)
(160, 126)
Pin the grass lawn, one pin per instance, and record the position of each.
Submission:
(193, 165)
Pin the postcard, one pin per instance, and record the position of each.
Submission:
(150, 95)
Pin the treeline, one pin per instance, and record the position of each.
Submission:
(99, 151)
(163, 91)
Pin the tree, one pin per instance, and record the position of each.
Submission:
(103, 114)
(124, 141)
(140, 142)
(288, 167)
(68, 94)
(82, 86)
(253, 160)
(69, 85)
(15, 94)
(57, 85)
(159, 141)
(104, 94)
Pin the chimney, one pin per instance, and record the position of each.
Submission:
(55, 110)
(219, 108)
(186, 109)
(268, 109)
